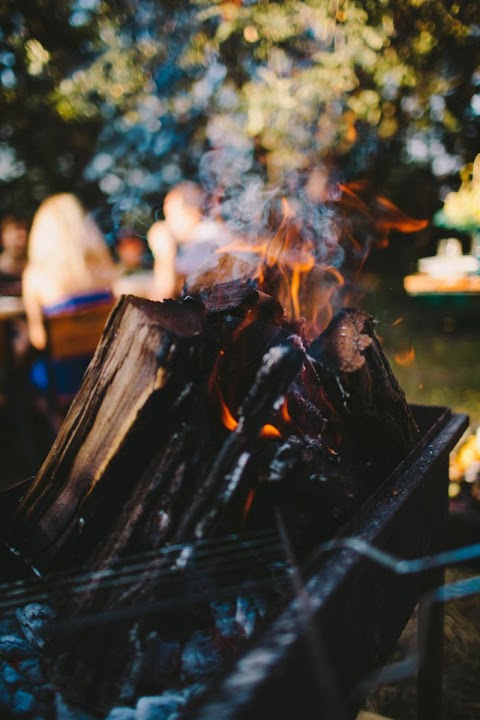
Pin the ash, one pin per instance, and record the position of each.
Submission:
(182, 668)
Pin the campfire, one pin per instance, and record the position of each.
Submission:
(214, 438)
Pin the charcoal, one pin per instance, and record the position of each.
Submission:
(4, 696)
(230, 298)
(10, 676)
(122, 713)
(31, 669)
(200, 658)
(162, 659)
(13, 647)
(23, 703)
(33, 620)
(224, 617)
(162, 470)
(248, 613)
(8, 626)
(161, 707)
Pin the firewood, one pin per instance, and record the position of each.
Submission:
(150, 358)
(315, 491)
(241, 299)
(279, 367)
(359, 384)
(230, 297)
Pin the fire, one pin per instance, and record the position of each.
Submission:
(228, 420)
(248, 504)
(227, 417)
(290, 262)
(285, 415)
(381, 213)
(303, 286)
(405, 358)
(270, 431)
(397, 322)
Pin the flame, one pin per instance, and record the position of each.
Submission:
(286, 263)
(231, 423)
(392, 218)
(405, 357)
(270, 431)
(248, 504)
(226, 416)
(383, 215)
(284, 412)
(397, 321)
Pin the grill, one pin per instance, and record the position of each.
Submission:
(346, 611)
(309, 661)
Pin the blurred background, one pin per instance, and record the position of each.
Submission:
(118, 101)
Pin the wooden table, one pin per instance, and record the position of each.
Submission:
(424, 284)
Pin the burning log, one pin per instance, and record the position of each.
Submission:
(115, 428)
(140, 460)
(362, 390)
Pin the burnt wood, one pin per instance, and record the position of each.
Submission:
(360, 385)
(114, 429)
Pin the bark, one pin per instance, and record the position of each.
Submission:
(359, 385)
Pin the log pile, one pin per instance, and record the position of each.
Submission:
(202, 417)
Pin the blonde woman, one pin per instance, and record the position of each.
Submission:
(69, 267)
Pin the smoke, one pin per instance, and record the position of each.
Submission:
(252, 209)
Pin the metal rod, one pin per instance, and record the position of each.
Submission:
(431, 617)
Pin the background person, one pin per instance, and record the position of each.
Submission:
(13, 256)
(69, 267)
(131, 253)
(186, 235)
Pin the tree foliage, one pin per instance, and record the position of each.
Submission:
(228, 90)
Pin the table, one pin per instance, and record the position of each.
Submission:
(424, 284)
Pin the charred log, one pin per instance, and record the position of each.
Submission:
(359, 384)
(152, 356)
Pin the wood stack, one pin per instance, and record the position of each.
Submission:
(201, 417)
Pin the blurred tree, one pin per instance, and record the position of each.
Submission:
(235, 91)
(42, 41)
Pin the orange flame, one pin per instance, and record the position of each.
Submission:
(248, 504)
(227, 418)
(405, 357)
(381, 212)
(302, 286)
(270, 431)
(284, 412)
(284, 263)
(231, 423)
(397, 322)
(392, 218)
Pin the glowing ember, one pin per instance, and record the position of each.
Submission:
(397, 322)
(248, 504)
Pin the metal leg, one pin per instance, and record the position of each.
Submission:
(430, 641)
